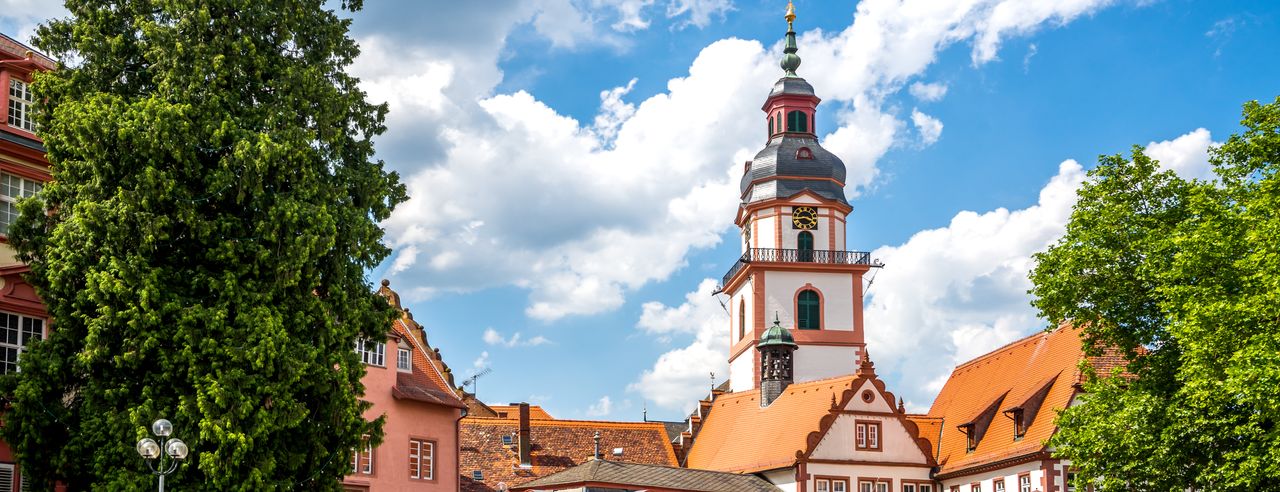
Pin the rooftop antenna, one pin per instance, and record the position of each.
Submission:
(471, 381)
(713, 381)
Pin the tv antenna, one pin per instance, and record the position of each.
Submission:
(471, 381)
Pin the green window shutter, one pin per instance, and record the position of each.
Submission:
(797, 121)
(808, 309)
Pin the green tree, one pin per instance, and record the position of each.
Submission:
(1186, 276)
(214, 209)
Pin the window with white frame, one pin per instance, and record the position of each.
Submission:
(371, 352)
(925, 488)
(908, 487)
(404, 359)
(868, 435)
(839, 486)
(882, 486)
(17, 332)
(11, 189)
(822, 485)
(362, 458)
(1024, 483)
(866, 486)
(422, 459)
(20, 105)
(997, 485)
(976, 487)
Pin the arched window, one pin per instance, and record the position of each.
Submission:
(804, 246)
(742, 319)
(777, 127)
(804, 154)
(808, 310)
(770, 128)
(797, 121)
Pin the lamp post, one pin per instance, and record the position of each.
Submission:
(155, 453)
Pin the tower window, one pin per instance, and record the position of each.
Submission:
(770, 128)
(742, 319)
(804, 246)
(804, 153)
(808, 310)
(797, 121)
(778, 124)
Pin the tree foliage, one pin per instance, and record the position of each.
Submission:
(1186, 275)
(214, 209)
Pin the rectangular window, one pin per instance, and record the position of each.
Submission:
(404, 360)
(1024, 483)
(371, 352)
(908, 487)
(1071, 481)
(20, 105)
(822, 486)
(868, 435)
(362, 458)
(998, 485)
(926, 488)
(11, 189)
(975, 487)
(422, 459)
(882, 486)
(866, 486)
(16, 334)
(839, 486)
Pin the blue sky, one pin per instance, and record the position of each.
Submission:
(558, 200)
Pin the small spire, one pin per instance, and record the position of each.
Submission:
(791, 61)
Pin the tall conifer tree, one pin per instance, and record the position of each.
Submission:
(203, 247)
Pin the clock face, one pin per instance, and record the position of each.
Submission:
(804, 218)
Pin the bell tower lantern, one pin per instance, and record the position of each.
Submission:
(794, 262)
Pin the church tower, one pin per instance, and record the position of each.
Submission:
(794, 264)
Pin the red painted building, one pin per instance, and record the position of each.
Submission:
(407, 382)
(23, 171)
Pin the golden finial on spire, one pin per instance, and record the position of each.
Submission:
(791, 13)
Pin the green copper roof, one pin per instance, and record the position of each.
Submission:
(776, 335)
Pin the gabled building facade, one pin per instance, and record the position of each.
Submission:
(23, 172)
(407, 382)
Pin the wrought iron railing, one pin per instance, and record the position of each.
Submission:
(768, 255)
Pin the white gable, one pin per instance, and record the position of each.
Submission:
(877, 403)
(896, 444)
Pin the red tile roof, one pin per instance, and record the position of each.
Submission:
(513, 411)
(557, 445)
(425, 383)
(1037, 374)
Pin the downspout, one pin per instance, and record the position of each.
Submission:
(457, 448)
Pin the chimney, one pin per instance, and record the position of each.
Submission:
(596, 438)
(526, 445)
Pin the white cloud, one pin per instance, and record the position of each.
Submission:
(929, 127)
(930, 92)
(1187, 155)
(25, 15)
(682, 376)
(600, 408)
(952, 293)
(508, 191)
(492, 337)
(481, 362)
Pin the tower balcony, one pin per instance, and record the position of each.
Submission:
(769, 255)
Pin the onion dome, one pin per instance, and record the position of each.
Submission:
(776, 335)
(793, 160)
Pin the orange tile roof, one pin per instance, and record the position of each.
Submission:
(426, 383)
(1038, 372)
(535, 412)
(740, 436)
(557, 445)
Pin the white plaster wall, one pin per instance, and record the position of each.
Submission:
(879, 404)
(1010, 475)
(841, 229)
(896, 443)
(822, 361)
(765, 235)
(837, 297)
(784, 479)
(742, 372)
(854, 472)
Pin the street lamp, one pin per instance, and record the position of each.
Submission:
(150, 450)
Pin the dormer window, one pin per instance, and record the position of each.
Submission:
(20, 104)
(804, 154)
(404, 360)
(971, 438)
(797, 121)
(1019, 425)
